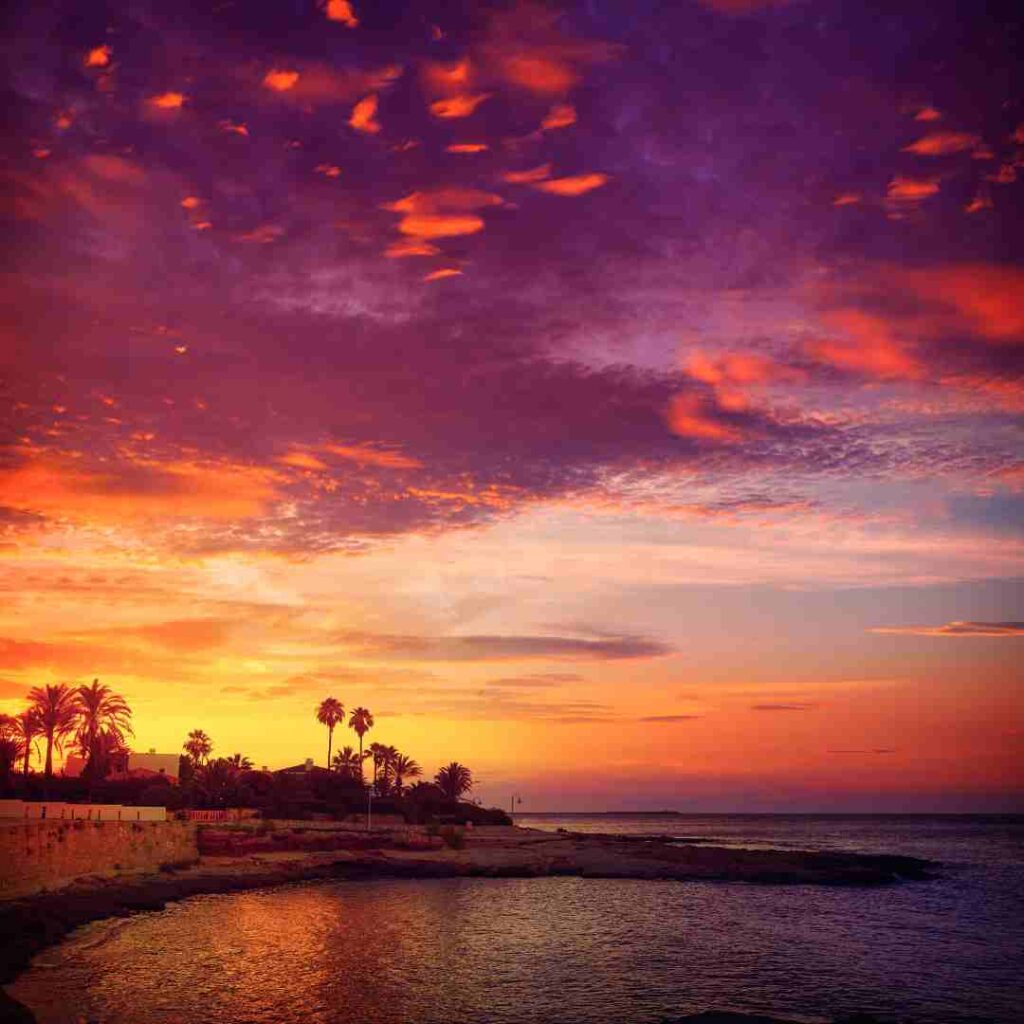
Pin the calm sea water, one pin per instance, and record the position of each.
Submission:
(565, 949)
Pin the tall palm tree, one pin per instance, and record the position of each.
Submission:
(57, 710)
(101, 712)
(348, 763)
(330, 712)
(198, 746)
(362, 722)
(29, 727)
(403, 767)
(378, 752)
(454, 779)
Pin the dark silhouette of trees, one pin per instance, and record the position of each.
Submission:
(454, 779)
(10, 747)
(330, 712)
(103, 720)
(402, 767)
(348, 763)
(198, 747)
(362, 722)
(28, 727)
(56, 708)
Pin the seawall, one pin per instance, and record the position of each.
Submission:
(39, 855)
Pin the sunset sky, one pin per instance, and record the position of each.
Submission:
(623, 399)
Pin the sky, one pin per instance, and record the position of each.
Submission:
(622, 399)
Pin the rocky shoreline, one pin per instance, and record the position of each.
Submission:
(31, 924)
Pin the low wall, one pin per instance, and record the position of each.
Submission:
(52, 810)
(38, 855)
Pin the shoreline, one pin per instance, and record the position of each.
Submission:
(33, 923)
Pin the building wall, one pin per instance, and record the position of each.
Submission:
(36, 855)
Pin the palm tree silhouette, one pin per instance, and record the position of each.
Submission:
(403, 767)
(198, 746)
(379, 753)
(238, 763)
(104, 721)
(56, 709)
(330, 712)
(348, 763)
(29, 727)
(362, 722)
(454, 779)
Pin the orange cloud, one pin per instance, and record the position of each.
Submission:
(846, 199)
(461, 105)
(341, 11)
(561, 115)
(576, 185)
(467, 147)
(191, 202)
(442, 79)
(927, 114)
(444, 199)
(865, 344)
(911, 190)
(236, 128)
(528, 176)
(328, 170)
(985, 298)
(168, 100)
(363, 115)
(367, 456)
(942, 143)
(280, 80)
(139, 490)
(410, 247)
(98, 57)
(688, 416)
(440, 225)
(439, 275)
(301, 460)
(263, 234)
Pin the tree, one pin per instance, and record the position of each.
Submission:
(104, 722)
(378, 752)
(330, 712)
(10, 747)
(348, 763)
(29, 727)
(403, 767)
(198, 746)
(454, 779)
(239, 763)
(57, 710)
(362, 722)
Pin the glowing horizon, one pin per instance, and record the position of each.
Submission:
(627, 407)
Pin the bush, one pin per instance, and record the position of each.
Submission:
(453, 836)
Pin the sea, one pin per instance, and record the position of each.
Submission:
(562, 950)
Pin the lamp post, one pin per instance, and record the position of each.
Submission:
(516, 799)
(369, 806)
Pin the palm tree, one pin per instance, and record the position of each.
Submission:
(56, 709)
(454, 779)
(348, 763)
(10, 746)
(28, 727)
(330, 712)
(378, 752)
(238, 763)
(198, 746)
(362, 721)
(101, 712)
(403, 767)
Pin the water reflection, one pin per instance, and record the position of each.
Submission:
(533, 950)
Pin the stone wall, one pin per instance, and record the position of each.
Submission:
(38, 855)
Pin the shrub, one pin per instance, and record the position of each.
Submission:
(453, 836)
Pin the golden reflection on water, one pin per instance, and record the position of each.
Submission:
(504, 951)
